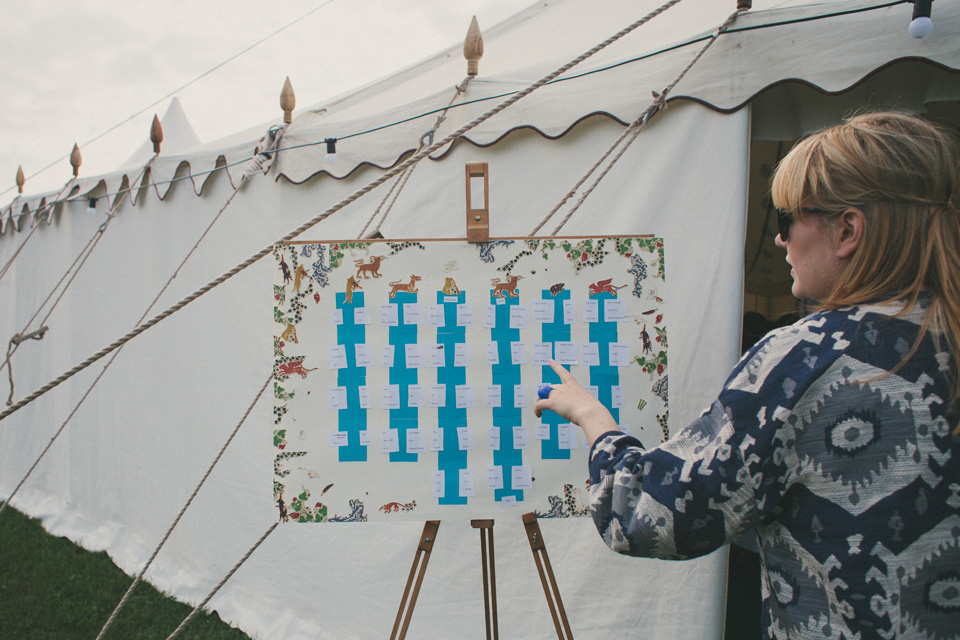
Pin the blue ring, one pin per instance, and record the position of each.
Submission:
(544, 392)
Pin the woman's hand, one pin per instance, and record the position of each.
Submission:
(577, 405)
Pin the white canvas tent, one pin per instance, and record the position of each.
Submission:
(135, 449)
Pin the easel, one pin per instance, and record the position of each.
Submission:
(478, 230)
(537, 546)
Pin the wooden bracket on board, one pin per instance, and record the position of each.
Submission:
(478, 202)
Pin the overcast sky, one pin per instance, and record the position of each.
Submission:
(71, 70)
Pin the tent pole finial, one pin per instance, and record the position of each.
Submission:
(20, 179)
(473, 47)
(75, 160)
(156, 134)
(288, 101)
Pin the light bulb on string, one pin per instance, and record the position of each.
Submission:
(921, 25)
(331, 150)
(92, 206)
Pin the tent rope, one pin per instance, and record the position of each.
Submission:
(377, 210)
(460, 89)
(181, 88)
(402, 181)
(630, 134)
(176, 521)
(36, 221)
(85, 253)
(262, 158)
(11, 347)
(222, 582)
(6, 267)
(330, 211)
(583, 179)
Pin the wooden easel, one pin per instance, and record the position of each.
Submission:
(478, 230)
(537, 546)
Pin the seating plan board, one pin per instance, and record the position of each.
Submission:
(405, 372)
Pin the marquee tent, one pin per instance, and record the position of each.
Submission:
(136, 431)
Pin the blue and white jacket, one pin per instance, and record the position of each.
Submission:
(848, 472)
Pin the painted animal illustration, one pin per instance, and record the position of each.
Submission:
(292, 367)
(356, 513)
(410, 287)
(450, 287)
(290, 333)
(393, 507)
(509, 286)
(314, 475)
(645, 340)
(604, 286)
(283, 509)
(371, 268)
(557, 288)
(298, 276)
(556, 508)
(351, 285)
(285, 270)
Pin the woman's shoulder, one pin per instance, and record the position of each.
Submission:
(845, 323)
(811, 343)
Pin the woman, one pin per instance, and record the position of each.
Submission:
(831, 437)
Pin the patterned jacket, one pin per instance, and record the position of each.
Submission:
(851, 479)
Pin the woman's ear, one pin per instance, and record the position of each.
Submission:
(850, 229)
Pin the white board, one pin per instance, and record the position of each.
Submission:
(405, 373)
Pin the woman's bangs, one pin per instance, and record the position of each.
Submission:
(791, 189)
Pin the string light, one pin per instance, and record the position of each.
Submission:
(92, 206)
(331, 150)
(921, 25)
(919, 7)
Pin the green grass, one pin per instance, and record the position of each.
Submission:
(51, 588)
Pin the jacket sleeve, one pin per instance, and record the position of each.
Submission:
(716, 478)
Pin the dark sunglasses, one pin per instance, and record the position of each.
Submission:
(786, 218)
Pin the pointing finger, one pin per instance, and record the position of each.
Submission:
(565, 376)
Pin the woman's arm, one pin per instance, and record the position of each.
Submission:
(574, 403)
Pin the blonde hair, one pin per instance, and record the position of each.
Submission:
(904, 174)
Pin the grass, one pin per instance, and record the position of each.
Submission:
(51, 588)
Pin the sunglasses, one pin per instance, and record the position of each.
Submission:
(786, 218)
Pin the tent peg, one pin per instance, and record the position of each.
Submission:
(76, 160)
(20, 179)
(288, 101)
(473, 47)
(156, 134)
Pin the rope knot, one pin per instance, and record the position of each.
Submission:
(659, 104)
(12, 346)
(33, 335)
(427, 138)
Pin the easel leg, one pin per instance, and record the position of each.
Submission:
(489, 577)
(538, 547)
(429, 534)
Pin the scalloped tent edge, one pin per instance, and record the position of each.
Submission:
(616, 89)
